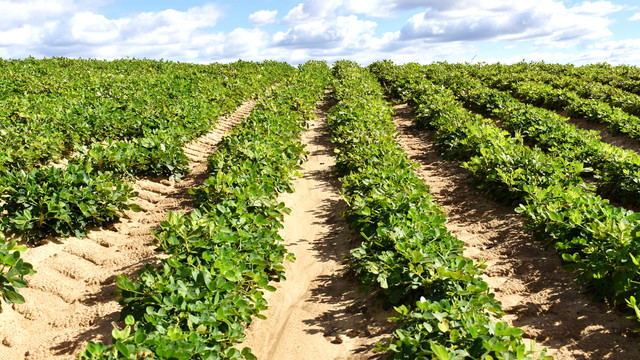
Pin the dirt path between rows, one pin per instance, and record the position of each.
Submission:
(69, 300)
(607, 135)
(537, 295)
(317, 313)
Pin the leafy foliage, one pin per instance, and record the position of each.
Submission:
(617, 171)
(541, 85)
(445, 309)
(111, 121)
(224, 254)
(596, 240)
(50, 108)
(12, 271)
(62, 202)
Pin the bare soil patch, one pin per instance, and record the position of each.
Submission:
(318, 313)
(537, 294)
(607, 135)
(69, 300)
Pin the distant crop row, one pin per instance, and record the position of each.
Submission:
(617, 171)
(54, 107)
(572, 94)
(625, 77)
(585, 83)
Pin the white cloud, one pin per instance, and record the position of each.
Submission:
(344, 32)
(596, 8)
(321, 9)
(312, 10)
(263, 17)
(386, 8)
(16, 14)
(94, 29)
(167, 34)
(613, 52)
(239, 44)
(320, 29)
(547, 21)
(348, 37)
(18, 36)
(616, 52)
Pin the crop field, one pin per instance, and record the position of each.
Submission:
(160, 210)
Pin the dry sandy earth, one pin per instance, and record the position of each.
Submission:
(69, 300)
(537, 295)
(608, 136)
(317, 313)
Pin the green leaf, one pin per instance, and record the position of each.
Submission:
(12, 296)
(122, 349)
(439, 351)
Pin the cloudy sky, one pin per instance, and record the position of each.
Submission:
(201, 31)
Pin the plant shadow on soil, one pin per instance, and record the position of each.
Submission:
(537, 294)
(356, 314)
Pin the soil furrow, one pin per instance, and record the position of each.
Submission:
(69, 300)
(608, 136)
(317, 313)
(154, 187)
(537, 294)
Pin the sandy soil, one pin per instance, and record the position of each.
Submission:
(69, 300)
(608, 136)
(537, 295)
(317, 313)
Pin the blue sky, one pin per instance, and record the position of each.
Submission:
(565, 31)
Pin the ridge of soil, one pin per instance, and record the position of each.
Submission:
(318, 313)
(69, 300)
(537, 295)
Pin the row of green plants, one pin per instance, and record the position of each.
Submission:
(615, 85)
(597, 241)
(167, 104)
(527, 85)
(444, 309)
(465, 135)
(616, 171)
(224, 254)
